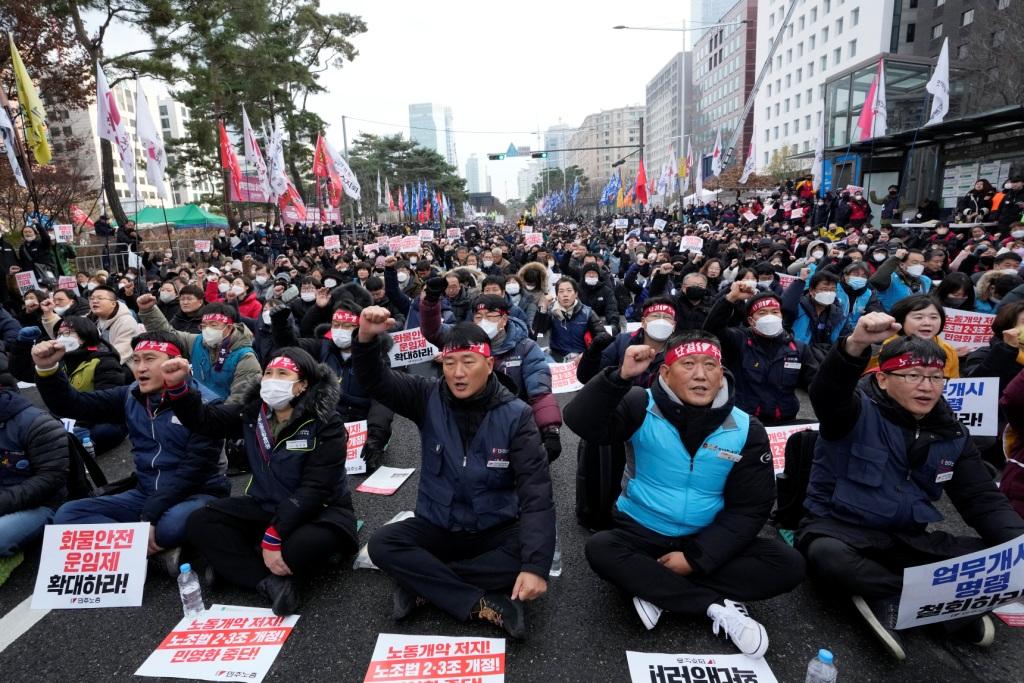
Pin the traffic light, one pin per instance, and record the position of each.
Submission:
(538, 155)
(495, 157)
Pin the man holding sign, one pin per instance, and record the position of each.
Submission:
(888, 448)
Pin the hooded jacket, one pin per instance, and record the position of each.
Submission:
(118, 330)
(33, 456)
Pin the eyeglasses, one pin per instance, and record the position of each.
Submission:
(915, 378)
(101, 298)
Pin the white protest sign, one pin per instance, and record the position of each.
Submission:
(363, 560)
(426, 235)
(354, 462)
(382, 240)
(785, 279)
(534, 238)
(63, 232)
(386, 480)
(777, 438)
(621, 222)
(394, 244)
(1011, 615)
(749, 216)
(224, 643)
(770, 211)
(966, 329)
(436, 659)
(201, 246)
(563, 377)
(332, 242)
(68, 424)
(965, 586)
(976, 403)
(660, 223)
(91, 565)
(26, 280)
(527, 229)
(646, 667)
(633, 327)
(854, 189)
(66, 282)
(134, 260)
(796, 213)
(410, 244)
(410, 347)
(692, 243)
(453, 233)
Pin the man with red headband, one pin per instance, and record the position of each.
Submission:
(483, 537)
(699, 486)
(889, 446)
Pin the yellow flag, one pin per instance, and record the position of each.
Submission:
(32, 107)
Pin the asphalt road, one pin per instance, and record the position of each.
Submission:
(579, 631)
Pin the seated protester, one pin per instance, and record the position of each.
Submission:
(899, 277)
(189, 317)
(599, 296)
(685, 537)
(768, 281)
(484, 528)
(375, 286)
(167, 299)
(956, 291)
(567, 321)
(332, 345)
(33, 474)
(1011, 404)
(534, 279)
(114, 320)
(1004, 355)
(920, 316)
(657, 324)
(408, 306)
(243, 298)
(222, 357)
(814, 316)
(494, 285)
(853, 295)
(67, 302)
(297, 508)
(31, 313)
(991, 288)
(766, 362)
(515, 355)
(517, 298)
(888, 449)
(693, 302)
(1005, 263)
(407, 279)
(178, 470)
(307, 295)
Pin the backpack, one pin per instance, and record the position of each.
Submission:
(598, 483)
(85, 477)
(791, 485)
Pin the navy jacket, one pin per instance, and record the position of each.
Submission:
(33, 456)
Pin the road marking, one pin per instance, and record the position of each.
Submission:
(18, 620)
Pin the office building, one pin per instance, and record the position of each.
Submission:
(184, 188)
(617, 133)
(473, 169)
(430, 125)
(707, 12)
(557, 138)
(527, 177)
(667, 114)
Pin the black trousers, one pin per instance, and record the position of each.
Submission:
(229, 536)
(627, 557)
(450, 569)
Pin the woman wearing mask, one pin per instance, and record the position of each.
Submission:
(976, 205)
(517, 297)
(854, 296)
(167, 299)
(242, 297)
(31, 314)
(956, 291)
(36, 254)
(297, 507)
(921, 316)
(568, 319)
(533, 278)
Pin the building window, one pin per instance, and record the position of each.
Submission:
(967, 18)
(799, 75)
(798, 96)
(855, 16)
(775, 132)
(936, 31)
(796, 125)
(837, 56)
(827, 6)
(839, 25)
(785, 129)
(767, 135)
(786, 104)
(810, 69)
(812, 42)
(800, 23)
(814, 14)
(911, 32)
(823, 62)
(853, 48)
(824, 35)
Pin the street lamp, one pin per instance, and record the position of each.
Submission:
(620, 27)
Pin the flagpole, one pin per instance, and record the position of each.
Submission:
(22, 146)
(167, 225)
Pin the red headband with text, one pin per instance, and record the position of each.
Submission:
(659, 308)
(693, 348)
(767, 302)
(343, 316)
(217, 318)
(483, 349)
(909, 360)
(286, 363)
(160, 347)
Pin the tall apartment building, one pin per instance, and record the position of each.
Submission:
(604, 129)
(473, 169)
(184, 189)
(430, 125)
(824, 37)
(557, 137)
(707, 12)
(667, 113)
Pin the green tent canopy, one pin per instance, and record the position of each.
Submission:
(188, 216)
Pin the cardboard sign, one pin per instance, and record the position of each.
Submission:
(426, 235)
(410, 244)
(646, 667)
(386, 480)
(394, 244)
(796, 213)
(91, 565)
(410, 347)
(453, 233)
(976, 403)
(785, 280)
(26, 280)
(621, 222)
(201, 246)
(660, 223)
(965, 586)
(534, 238)
(563, 377)
(224, 643)
(63, 232)
(357, 432)
(436, 659)
(777, 438)
(332, 242)
(67, 282)
(692, 243)
(963, 328)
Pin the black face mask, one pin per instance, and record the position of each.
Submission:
(695, 293)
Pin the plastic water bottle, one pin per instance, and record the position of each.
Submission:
(556, 561)
(191, 592)
(821, 669)
(87, 445)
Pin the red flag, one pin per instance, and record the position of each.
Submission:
(391, 202)
(291, 196)
(79, 217)
(401, 200)
(323, 167)
(641, 184)
(229, 162)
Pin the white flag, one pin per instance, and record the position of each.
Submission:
(880, 121)
(938, 86)
(716, 156)
(379, 196)
(254, 156)
(110, 126)
(673, 169)
(387, 194)
(698, 179)
(348, 179)
(7, 135)
(818, 167)
(275, 161)
(748, 167)
(152, 144)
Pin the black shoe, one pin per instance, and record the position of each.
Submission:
(502, 611)
(979, 632)
(282, 594)
(881, 615)
(405, 603)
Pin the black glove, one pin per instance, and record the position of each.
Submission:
(435, 287)
(281, 313)
(552, 443)
(598, 344)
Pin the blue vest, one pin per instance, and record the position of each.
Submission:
(472, 489)
(898, 290)
(860, 304)
(666, 490)
(202, 369)
(803, 326)
(865, 478)
(567, 335)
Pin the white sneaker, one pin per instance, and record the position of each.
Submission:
(649, 614)
(748, 635)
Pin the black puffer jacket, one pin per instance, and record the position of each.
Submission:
(33, 456)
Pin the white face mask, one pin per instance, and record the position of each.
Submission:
(223, 287)
(167, 297)
(1004, 271)
(262, 279)
(277, 393)
(412, 260)
(488, 263)
(825, 298)
(61, 310)
(403, 276)
(341, 338)
(879, 257)
(489, 327)
(237, 290)
(69, 342)
(1017, 234)
(915, 270)
(308, 296)
(531, 288)
(659, 330)
(590, 280)
(91, 286)
(330, 283)
(266, 317)
(817, 254)
(212, 337)
(512, 288)
(769, 325)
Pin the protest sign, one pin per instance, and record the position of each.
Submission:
(785, 279)
(527, 229)
(976, 403)
(67, 282)
(224, 643)
(770, 211)
(91, 565)
(453, 233)
(563, 377)
(646, 667)
(409, 347)
(63, 232)
(201, 246)
(633, 327)
(363, 560)
(332, 242)
(660, 223)
(621, 222)
(410, 244)
(966, 329)
(354, 462)
(436, 659)
(777, 438)
(386, 480)
(796, 213)
(964, 586)
(854, 189)
(1012, 614)
(382, 240)
(691, 243)
(749, 216)
(426, 235)
(394, 244)
(26, 280)
(534, 238)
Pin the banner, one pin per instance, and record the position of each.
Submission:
(410, 347)
(436, 659)
(63, 233)
(357, 431)
(202, 246)
(648, 667)
(152, 143)
(410, 244)
(254, 157)
(26, 280)
(67, 282)
(80, 218)
(91, 565)
(386, 480)
(563, 377)
(426, 235)
(749, 216)
(224, 643)
(777, 438)
(796, 213)
(966, 329)
(969, 585)
(249, 190)
(332, 242)
(976, 403)
(691, 243)
(785, 280)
